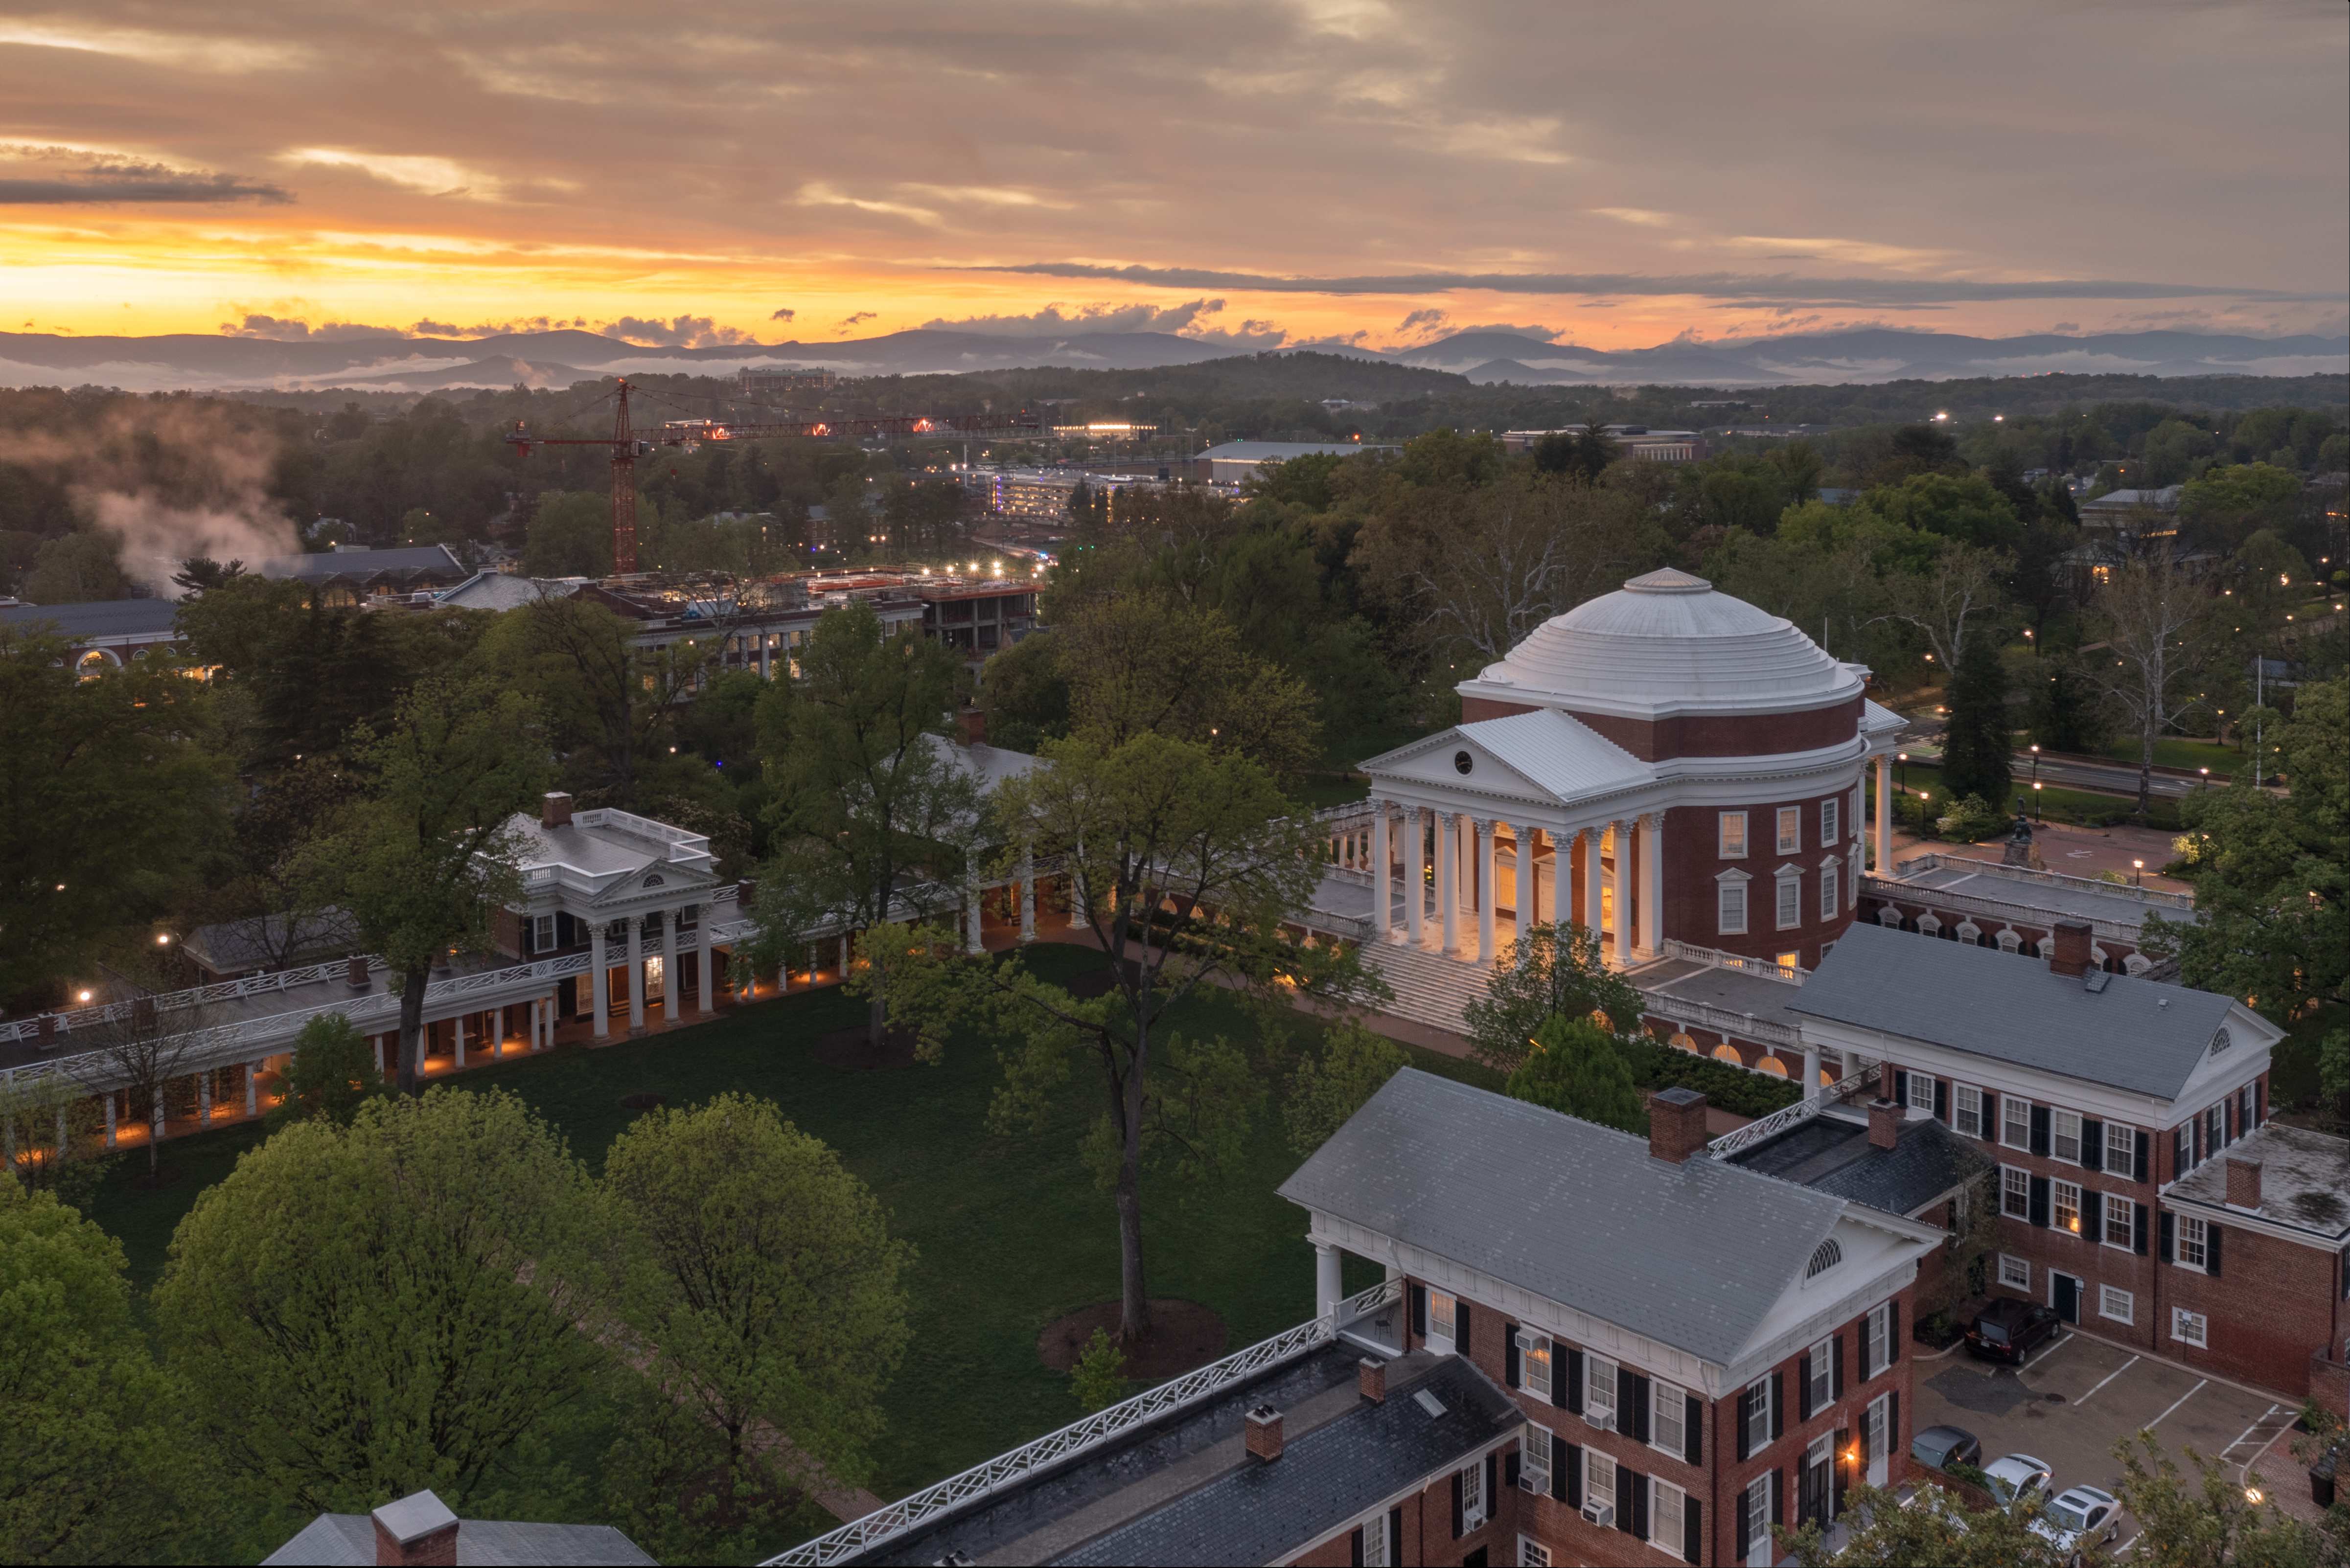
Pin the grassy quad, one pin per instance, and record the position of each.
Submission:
(1012, 1232)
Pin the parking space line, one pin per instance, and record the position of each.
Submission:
(2248, 1431)
(2054, 1346)
(2182, 1399)
(2108, 1377)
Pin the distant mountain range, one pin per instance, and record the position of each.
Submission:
(559, 358)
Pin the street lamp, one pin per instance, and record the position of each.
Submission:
(2035, 766)
(2036, 801)
(2207, 776)
(2137, 873)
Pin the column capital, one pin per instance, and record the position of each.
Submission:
(1484, 826)
(1653, 821)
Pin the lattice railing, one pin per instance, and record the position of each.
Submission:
(1102, 1426)
(1764, 1129)
(1714, 958)
(178, 1001)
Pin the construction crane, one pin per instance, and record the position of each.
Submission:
(626, 443)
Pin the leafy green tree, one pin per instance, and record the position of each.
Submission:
(1554, 972)
(359, 1312)
(1324, 1091)
(1978, 742)
(875, 816)
(332, 1074)
(1099, 1380)
(770, 1288)
(1967, 510)
(1936, 1531)
(2065, 715)
(79, 569)
(88, 1470)
(425, 857)
(107, 794)
(608, 704)
(1026, 693)
(670, 1486)
(2212, 1521)
(1574, 1066)
(1186, 869)
(569, 536)
(2223, 507)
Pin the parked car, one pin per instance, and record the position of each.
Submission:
(2077, 1516)
(2011, 1330)
(1942, 1446)
(2015, 1478)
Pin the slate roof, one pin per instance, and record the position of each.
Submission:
(232, 947)
(407, 561)
(2142, 1035)
(2304, 1179)
(1258, 1512)
(1691, 1254)
(1831, 1154)
(100, 617)
(342, 1539)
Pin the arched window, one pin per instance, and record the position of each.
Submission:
(1728, 1052)
(1824, 1256)
(1766, 1063)
(1683, 1042)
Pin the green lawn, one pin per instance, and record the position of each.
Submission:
(1011, 1231)
(2055, 804)
(2179, 752)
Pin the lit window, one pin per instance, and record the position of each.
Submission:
(1441, 1318)
(2118, 1305)
(1966, 1112)
(2065, 1197)
(1793, 959)
(2190, 1328)
(1791, 829)
(2014, 1192)
(1733, 836)
(2065, 1135)
(1668, 1418)
(1534, 1362)
(1828, 823)
(1665, 1532)
(1730, 908)
(2015, 1122)
(2121, 1150)
(1535, 1461)
(1828, 888)
(2014, 1273)
(2193, 1250)
(1790, 900)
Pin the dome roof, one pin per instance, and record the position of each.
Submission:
(1667, 643)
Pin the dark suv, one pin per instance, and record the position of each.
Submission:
(2011, 1330)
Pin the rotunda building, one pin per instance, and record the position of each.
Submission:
(1665, 764)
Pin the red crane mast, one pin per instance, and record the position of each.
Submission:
(627, 444)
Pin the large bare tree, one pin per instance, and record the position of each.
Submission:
(1961, 587)
(2156, 627)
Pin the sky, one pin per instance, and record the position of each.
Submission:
(1260, 173)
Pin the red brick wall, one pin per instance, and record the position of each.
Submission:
(1701, 734)
(1692, 861)
(1476, 708)
(2274, 1306)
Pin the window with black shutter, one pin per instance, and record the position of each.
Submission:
(1778, 1405)
(2040, 1129)
(1419, 1311)
(2211, 1234)
(1459, 1516)
(1863, 1331)
(2167, 1228)
(2180, 1146)
(1567, 1473)
(2092, 1144)
(2040, 1202)
(1395, 1534)
(1461, 1341)
(1741, 1532)
(1893, 1422)
(1572, 1389)
(1695, 1428)
(1693, 1532)
(1355, 1547)
(1843, 1469)
(1640, 1525)
(2138, 1229)
(1902, 1088)
(2144, 1144)
(1836, 1367)
(1804, 1386)
(1942, 1101)
(1510, 1354)
(1628, 1485)
(1892, 1332)
(1745, 1423)
(1633, 1404)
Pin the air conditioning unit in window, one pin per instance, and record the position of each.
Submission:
(1605, 1420)
(1602, 1514)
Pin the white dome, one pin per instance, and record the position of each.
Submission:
(1667, 643)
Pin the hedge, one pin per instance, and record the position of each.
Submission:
(1735, 1089)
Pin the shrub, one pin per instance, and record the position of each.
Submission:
(1098, 1380)
(1735, 1089)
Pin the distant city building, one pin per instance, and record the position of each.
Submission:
(353, 574)
(776, 381)
(1235, 460)
(1631, 441)
(1043, 494)
(1105, 430)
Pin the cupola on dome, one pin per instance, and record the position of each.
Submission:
(1668, 643)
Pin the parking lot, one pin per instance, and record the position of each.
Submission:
(2077, 1397)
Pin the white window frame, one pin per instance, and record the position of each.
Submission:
(1475, 1507)
(1724, 922)
(1375, 1531)
(2119, 1210)
(1667, 1402)
(1452, 1305)
(1821, 1383)
(1532, 1554)
(1730, 843)
(2007, 1275)
(1791, 829)
(1667, 1541)
(1917, 1081)
(1762, 1546)
(2058, 1120)
(1966, 1110)
(1593, 1488)
(1533, 1475)
(2190, 1328)
(1535, 1350)
(2009, 1104)
(1832, 820)
(2201, 1261)
(1790, 911)
(1597, 1370)
(2064, 1195)
(2121, 1146)
(1758, 1410)
(1828, 888)
(2110, 1296)
(542, 933)
(1880, 1340)
(1851, 878)
(2008, 1175)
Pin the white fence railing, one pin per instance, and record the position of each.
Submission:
(1895, 892)
(1937, 861)
(1765, 1128)
(1721, 1020)
(178, 1001)
(1714, 958)
(1102, 1426)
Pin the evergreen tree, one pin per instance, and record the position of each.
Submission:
(2065, 714)
(1576, 1068)
(1977, 745)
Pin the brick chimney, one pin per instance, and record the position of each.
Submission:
(417, 1530)
(2244, 1184)
(355, 972)
(1676, 1124)
(555, 811)
(1884, 1120)
(971, 725)
(2071, 956)
(1371, 1378)
(1263, 1434)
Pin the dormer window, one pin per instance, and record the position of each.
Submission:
(1824, 1256)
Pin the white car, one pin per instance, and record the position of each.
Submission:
(2077, 1516)
(2016, 1477)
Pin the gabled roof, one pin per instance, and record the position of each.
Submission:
(1830, 1153)
(1548, 755)
(1693, 1254)
(349, 1538)
(407, 560)
(2146, 1037)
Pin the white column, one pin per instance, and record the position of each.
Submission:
(1464, 861)
(1884, 815)
(672, 982)
(457, 1027)
(706, 1001)
(1027, 894)
(155, 1129)
(1415, 878)
(1811, 1070)
(1327, 1288)
(1652, 883)
(252, 1088)
(204, 1097)
(1382, 912)
(1623, 831)
(602, 973)
(377, 1041)
(109, 1115)
(1592, 874)
(1485, 899)
(636, 974)
(1447, 879)
(1524, 878)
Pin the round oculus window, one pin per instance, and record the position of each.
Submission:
(1462, 761)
